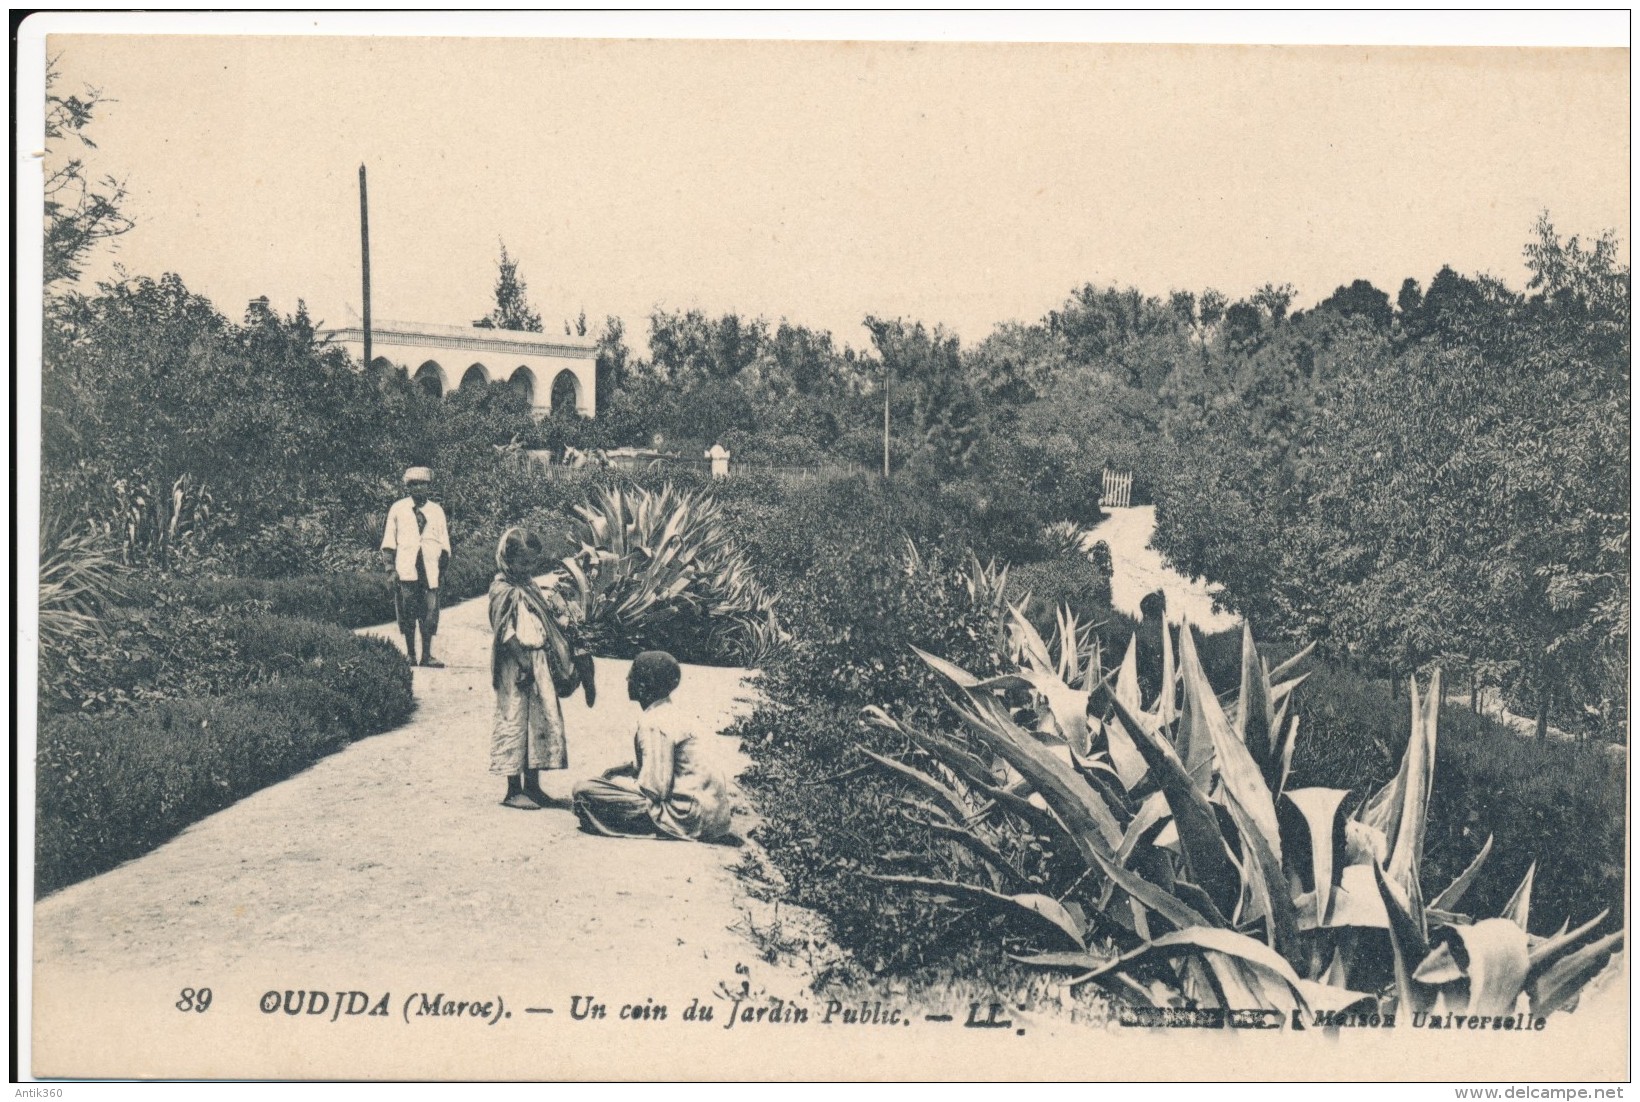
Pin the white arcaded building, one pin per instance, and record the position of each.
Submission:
(547, 370)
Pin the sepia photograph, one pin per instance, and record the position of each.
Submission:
(681, 552)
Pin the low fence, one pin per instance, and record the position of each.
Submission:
(1118, 489)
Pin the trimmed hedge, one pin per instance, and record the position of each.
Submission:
(113, 786)
(352, 599)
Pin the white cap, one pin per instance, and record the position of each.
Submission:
(418, 474)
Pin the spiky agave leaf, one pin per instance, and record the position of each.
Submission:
(1356, 903)
(1453, 893)
(1312, 825)
(1480, 968)
(1255, 722)
(1519, 908)
(1065, 708)
(1559, 985)
(1210, 733)
(1407, 941)
(1130, 764)
(1084, 814)
(1166, 709)
(1206, 854)
(79, 575)
(1550, 951)
(663, 555)
(1400, 810)
(1047, 912)
(946, 795)
(1227, 944)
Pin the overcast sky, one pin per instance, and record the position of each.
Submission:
(961, 184)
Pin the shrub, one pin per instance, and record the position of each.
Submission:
(1558, 803)
(1063, 580)
(787, 529)
(169, 648)
(1099, 557)
(370, 673)
(855, 618)
(1002, 522)
(825, 820)
(304, 544)
(111, 787)
(352, 599)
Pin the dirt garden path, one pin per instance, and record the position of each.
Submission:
(1138, 569)
(396, 851)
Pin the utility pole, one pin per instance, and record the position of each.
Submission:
(364, 247)
(887, 375)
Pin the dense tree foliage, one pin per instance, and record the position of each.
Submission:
(1448, 484)
(177, 432)
(1438, 479)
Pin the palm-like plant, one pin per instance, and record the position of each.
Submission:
(78, 575)
(1207, 879)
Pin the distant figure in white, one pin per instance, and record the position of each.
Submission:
(416, 551)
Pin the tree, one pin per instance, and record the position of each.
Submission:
(613, 359)
(687, 347)
(80, 212)
(1410, 297)
(512, 307)
(1132, 334)
(931, 399)
(1362, 300)
(1274, 301)
(148, 392)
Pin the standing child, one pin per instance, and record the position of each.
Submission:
(535, 658)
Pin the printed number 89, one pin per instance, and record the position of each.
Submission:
(198, 1001)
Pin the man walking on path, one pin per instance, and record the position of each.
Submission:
(416, 550)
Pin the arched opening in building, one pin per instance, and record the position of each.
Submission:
(384, 372)
(523, 381)
(566, 393)
(430, 377)
(476, 376)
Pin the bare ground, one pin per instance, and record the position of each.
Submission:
(1138, 569)
(396, 850)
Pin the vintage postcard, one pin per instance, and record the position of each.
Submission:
(593, 556)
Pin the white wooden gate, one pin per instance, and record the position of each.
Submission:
(1118, 489)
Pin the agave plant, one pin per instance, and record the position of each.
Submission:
(1204, 878)
(660, 566)
(1063, 537)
